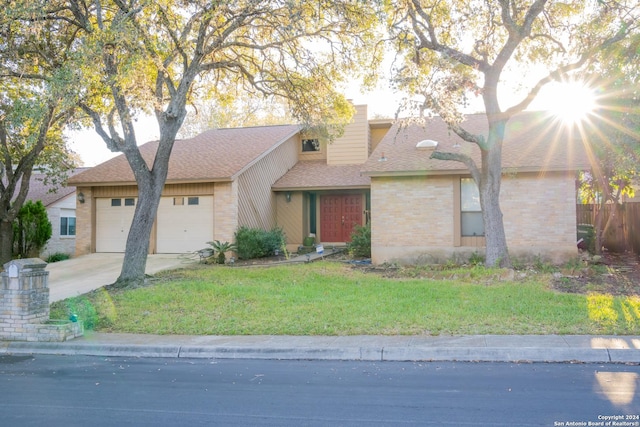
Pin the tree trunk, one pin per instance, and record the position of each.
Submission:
(599, 238)
(138, 240)
(150, 184)
(497, 254)
(6, 243)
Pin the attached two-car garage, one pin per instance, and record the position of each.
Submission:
(183, 224)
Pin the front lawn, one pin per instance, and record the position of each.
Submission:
(330, 298)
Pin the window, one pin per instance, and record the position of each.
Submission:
(471, 212)
(129, 202)
(310, 145)
(178, 201)
(116, 202)
(312, 213)
(193, 201)
(67, 223)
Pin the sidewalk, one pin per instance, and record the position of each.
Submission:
(485, 348)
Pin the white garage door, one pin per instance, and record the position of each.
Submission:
(113, 220)
(185, 224)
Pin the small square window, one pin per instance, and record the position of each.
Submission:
(129, 202)
(67, 226)
(194, 201)
(178, 201)
(310, 145)
(116, 202)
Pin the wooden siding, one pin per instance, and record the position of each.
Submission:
(197, 189)
(473, 241)
(291, 216)
(353, 147)
(115, 191)
(256, 201)
(376, 136)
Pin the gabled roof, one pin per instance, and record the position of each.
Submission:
(534, 141)
(317, 175)
(41, 189)
(215, 155)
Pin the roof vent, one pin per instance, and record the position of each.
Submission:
(427, 144)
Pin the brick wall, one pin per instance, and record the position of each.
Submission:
(540, 215)
(413, 218)
(84, 222)
(225, 211)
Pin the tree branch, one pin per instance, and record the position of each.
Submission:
(112, 144)
(432, 42)
(459, 157)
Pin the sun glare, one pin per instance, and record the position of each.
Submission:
(571, 101)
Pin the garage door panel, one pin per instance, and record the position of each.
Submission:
(113, 221)
(185, 224)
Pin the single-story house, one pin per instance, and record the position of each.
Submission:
(278, 176)
(222, 179)
(60, 202)
(428, 210)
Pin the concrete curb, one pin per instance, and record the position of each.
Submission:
(369, 353)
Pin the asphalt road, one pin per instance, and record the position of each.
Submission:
(94, 391)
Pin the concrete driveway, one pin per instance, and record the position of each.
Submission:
(85, 273)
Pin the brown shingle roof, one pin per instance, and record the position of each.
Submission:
(317, 175)
(40, 188)
(215, 155)
(534, 141)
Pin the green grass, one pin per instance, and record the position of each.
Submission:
(327, 298)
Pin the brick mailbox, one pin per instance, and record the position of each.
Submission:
(24, 305)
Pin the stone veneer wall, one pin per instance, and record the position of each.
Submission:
(24, 305)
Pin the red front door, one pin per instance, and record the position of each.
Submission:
(338, 215)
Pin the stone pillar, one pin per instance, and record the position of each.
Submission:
(24, 305)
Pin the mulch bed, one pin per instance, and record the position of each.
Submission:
(614, 274)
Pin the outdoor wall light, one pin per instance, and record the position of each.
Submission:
(287, 196)
(81, 197)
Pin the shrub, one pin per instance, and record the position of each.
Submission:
(360, 245)
(31, 229)
(257, 243)
(222, 248)
(58, 256)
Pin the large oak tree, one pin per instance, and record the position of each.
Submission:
(35, 106)
(451, 50)
(155, 57)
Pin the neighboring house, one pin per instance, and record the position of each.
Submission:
(60, 202)
(222, 179)
(426, 210)
(421, 209)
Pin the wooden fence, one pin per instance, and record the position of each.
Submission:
(623, 233)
